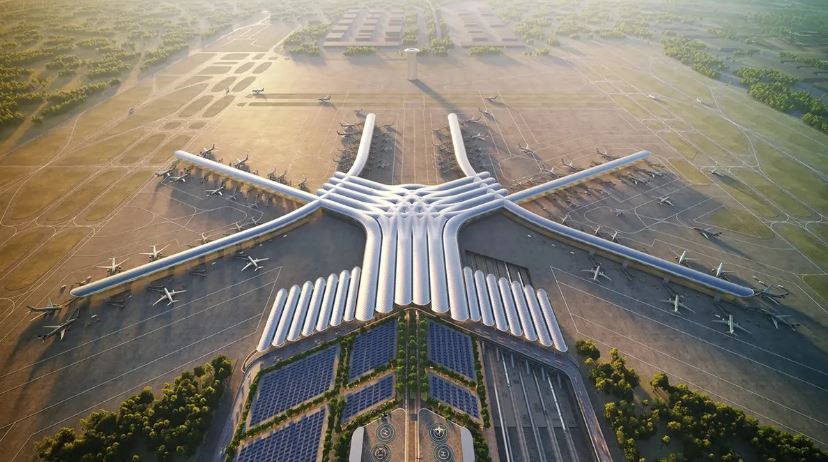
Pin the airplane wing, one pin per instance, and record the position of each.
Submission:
(741, 328)
(50, 327)
(608, 278)
(720, 321)
(687, 308)
(159, 300)
(246, 266)
(62, 333)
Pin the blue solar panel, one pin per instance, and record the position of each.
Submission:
(366, 397)
(373, 349)
(293, 384)
(297, 442)
(453, 395)
(451, 349)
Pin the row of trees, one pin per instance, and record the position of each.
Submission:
(777, 90)
(693, 53)
(693, 426)
(174, 423)
(360, 51)
(62, 101)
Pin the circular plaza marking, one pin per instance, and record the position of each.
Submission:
(442, 453)
(386, 432)
(380, 453)
(438, 432)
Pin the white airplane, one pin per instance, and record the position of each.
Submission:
(767, 291)
(254, 262)
(216, 192)
(614, 237)
(113, 268)
(676, 302)
(597, 230)
(652, 97)
(44, 311)
(207, 151)
(619, 212)
(563, 220)
(665, 200)
(168, 295)
(732, 325)
(716, 172)
(605, 155)
(596, 273)
(473, 119)
(719, 271)
(526, 149)
(165, 173)
(777, 318)
(303, 185)
(59, 329)
(346, 125)
(241, 162)
(324, 99)
(179, 178)
(707, 233)
(479, 136)
(491, 99)
(683, 259)
(568, 163)
(156, 252)
(486, 113)
(258, 91)
(699, 101)
(201, 241)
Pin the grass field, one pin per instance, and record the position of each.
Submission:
(806, 242)
(104, 205)
(710, 148)
(218, 106)
(72, 204)
(196, 106)
(739, 221)
(715, 127)
(747, 197)
(9, 174)
(798, 179)
(627, 103)
(102, 115)
(40, 150)
(102, 151)
(167, 150)
(679, 144)
(160, 107)
(43, 189)
(818, 282)
(774, 193)
(44, 258)
(689, 172)
(142, 149)
(20, 245)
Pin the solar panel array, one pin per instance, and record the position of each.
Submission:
(372, 349)
(453, 395)
(366, 397)
(451, 349)
(297, 442)
(295, 383)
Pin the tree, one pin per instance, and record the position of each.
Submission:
(660, 381)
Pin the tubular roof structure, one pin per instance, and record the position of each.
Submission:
(412, 256)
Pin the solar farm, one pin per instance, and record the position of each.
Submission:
(451, 349)
(373, 349)
(295, 442)
(368, 396)
(295, 383)
(453, 395)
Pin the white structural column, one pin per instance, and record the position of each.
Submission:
(509, 306)
(301, 312)
(436, 265)
(552, 322)
(483, 298)
(459, 146)
(471, 295)
(287, 316)
(402, 245)
(272, 320)
(327, 304)
(496, 300)
(537, 317)
(420, 293)
(314, 307)
(364, 145)
(523, 312)
(353, 288)
(340, 298)
(389, 276)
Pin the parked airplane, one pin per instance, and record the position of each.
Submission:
(217, 191)
(165, 173)
(254, 262)
(652, 97)
(707, 233)
(619, 212)
(525, 149)
(168, 295)
(676, 302)
(473, 119)
(207, 151)
(347, 125)
(486, 113)
(156, 252)
(241, 162)
(777, 318)
(597, 230)
(665, 200)
(719, 271)
(605, 155)
(596, 273)
(732, 325)
(568, 163)
(614, 237)
(113, 268)
(683, 258)
(61, 328)
(257, 92)
(478, 136)
(768, 293)
(325, 99)
(179, 178)
(716, 172)
(201, 241)
(303, 185)
(491, 99)
(563, 220)
(44, 311)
